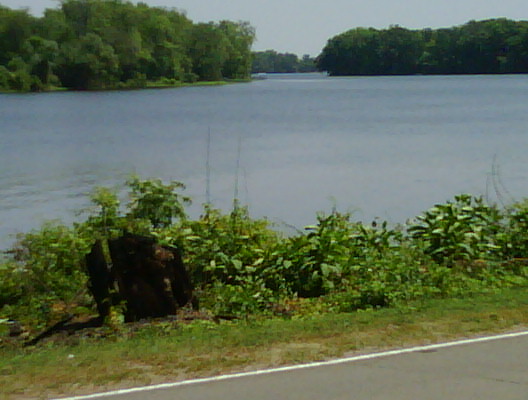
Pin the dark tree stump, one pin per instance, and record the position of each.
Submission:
(150, 278)
(100, 279)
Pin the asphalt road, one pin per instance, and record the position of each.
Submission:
(494, 370)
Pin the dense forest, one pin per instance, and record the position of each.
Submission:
(96, 44)
(272, 62)
(492, 46)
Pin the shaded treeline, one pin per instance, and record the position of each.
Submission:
(491, 46)
(92, 44)
(272, 62)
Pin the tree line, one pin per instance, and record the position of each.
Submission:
(493, 46)
(97, 44)
(272, 62)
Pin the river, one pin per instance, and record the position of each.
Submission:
(387, 147)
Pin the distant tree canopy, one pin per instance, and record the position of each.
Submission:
(270, 61)
(491, 46)
(92, 44)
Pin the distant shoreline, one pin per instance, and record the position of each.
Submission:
(149, 85)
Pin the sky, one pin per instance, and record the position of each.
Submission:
(304, 26)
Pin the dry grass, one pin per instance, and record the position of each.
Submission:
(153, 354)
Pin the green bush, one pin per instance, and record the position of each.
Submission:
(139, 80)
(324, 259)
(463, 230)
(155, 201)
(221, 247)
(240, 265)
(190, 77)
(316, 263)
(45, 277)
(21, 81)
(5, 77)
(514, 239)
(247, 296)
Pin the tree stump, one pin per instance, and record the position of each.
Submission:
(149, 278)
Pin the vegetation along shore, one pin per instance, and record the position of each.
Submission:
(240, 266)
(99, 44)
(494, 46)
(260, 298)
(333, 285)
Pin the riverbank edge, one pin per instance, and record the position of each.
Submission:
(149, 85)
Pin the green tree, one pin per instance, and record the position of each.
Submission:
(272, 62)
(78, 14)
(41, 55)
(88, 63)
(306, 64)
(478, 47)
(355, 52)
(20, 78)
(93, 44)
(517, 46)
(157, 202)
(208, 51)
(165, 41)
(439, 54)
(55, 26)
(240, 36)
(399, 51)
(5, 77)
(263, 61)
(15, 28)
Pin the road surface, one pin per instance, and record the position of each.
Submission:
(494, 369)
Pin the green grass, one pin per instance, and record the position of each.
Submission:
(149, 85)
(161, 352)
(163, 85)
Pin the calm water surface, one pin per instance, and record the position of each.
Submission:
(386, 147)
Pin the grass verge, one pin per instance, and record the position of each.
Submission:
(160, 353)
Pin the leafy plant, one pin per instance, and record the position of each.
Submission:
(106, 222)
(318, 261)
(465, 229)
(514, 238)
(157, 202)
(45, 277)
(241, 266)
(221, 247)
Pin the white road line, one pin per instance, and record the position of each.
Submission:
(300, 366)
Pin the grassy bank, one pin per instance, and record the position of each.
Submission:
(171, 351)
(147, 85)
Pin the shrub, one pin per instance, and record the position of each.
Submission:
(48, 269)
(190, 77)
(514, 238)
(463, 230)
(139, 80)
(5, 77)
(222, 247)
(240, 265)
(21, 80)
(155, 201)
(324, 260)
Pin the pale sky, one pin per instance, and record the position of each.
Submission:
(304, 26)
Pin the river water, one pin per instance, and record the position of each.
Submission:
(387, 147)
